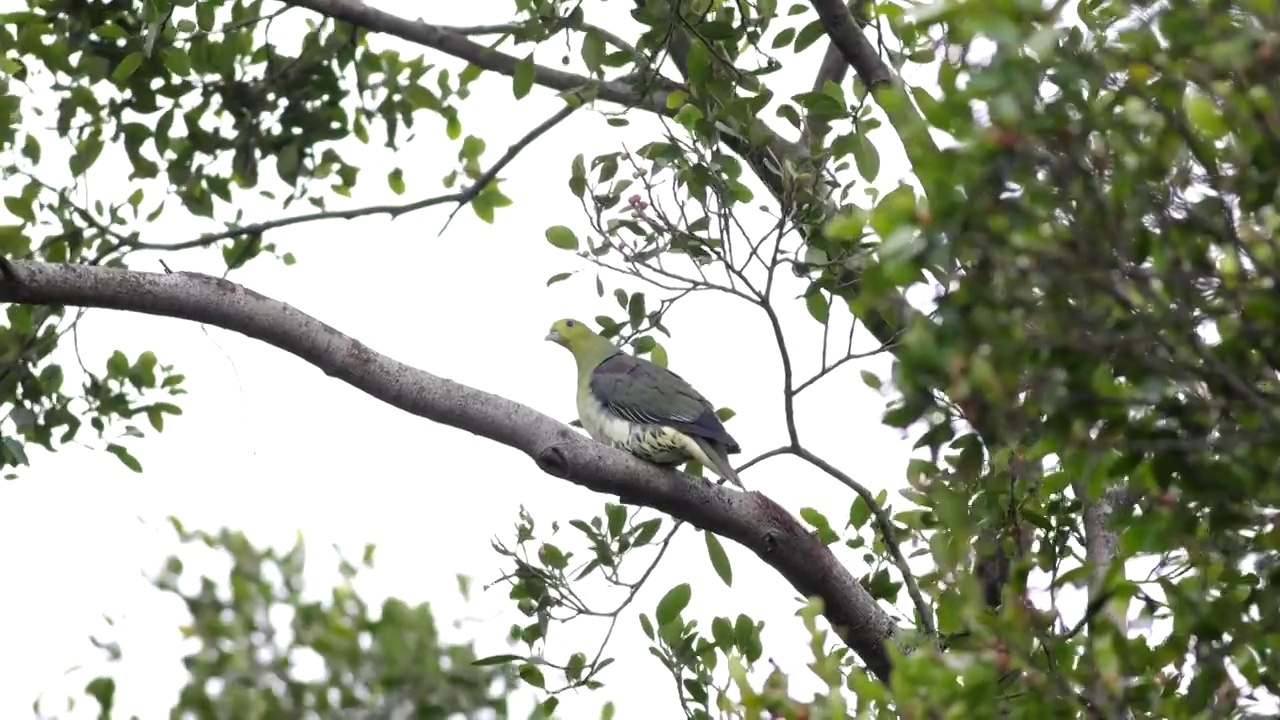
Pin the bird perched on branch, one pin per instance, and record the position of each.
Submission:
(634, 405)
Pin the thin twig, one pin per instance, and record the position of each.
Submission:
(784, 450)
(260, 227)
(489, 175)
(394, 211)
(886, 531)
(827, 370)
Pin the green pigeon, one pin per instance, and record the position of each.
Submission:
(634, 405)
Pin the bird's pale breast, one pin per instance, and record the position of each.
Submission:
(655, 443)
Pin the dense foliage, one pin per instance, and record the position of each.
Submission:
(1091, 379)
(264, 648)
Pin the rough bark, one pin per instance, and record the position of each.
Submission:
(453, 43)
(750, 519)
(846, 36)
(1101, 549)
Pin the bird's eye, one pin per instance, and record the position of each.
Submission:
(568, 323)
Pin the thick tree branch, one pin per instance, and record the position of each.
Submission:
(750, 519)
(452, 43)
(1102, 539)
(833, 69)
(1101, 548)
(849, 40)
(766, 154)
(510, 28)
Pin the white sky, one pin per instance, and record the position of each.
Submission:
(269, 445)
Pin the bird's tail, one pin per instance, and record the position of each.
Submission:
(720, 464)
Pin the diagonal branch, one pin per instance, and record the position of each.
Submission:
(766, 152)
(924, 615)
(833, 69)
(847, 37)
(1102, 558)
(750, 519)
(461, 198)
(513, 27)
(459, 46)
(515, 149)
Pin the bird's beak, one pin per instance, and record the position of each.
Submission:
(553, 336)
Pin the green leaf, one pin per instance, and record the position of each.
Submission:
(395, 181)
(593, 52)
(420, 97)
(859, 513)
(867, 157)
(646, 625)
(847, 226)
(722, 632)
(117, 365)
(719, 560)
(817, 305)
(746, 635)
(127, 66)
(671, 604)
(496, 660)
(895, 210)
(578, 176)
(532, 675)
(1204, 114)
(111, 31)
(933, 110)
(176, 60)
(205, 16)
(809, 35)
(646, 531)
(688, 116)
(102, 689)
(558, 277)
(562, 237)
(636, 310)
(658, 355)
(31, 150)
(553, 557)
(617, 515)
(472, 148)
(522, 78)
(21, 208)
(129, 461)
(483, 208)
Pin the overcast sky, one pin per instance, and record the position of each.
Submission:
(270, 445)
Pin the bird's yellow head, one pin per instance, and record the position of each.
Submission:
(572, 334)
(589, 348)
